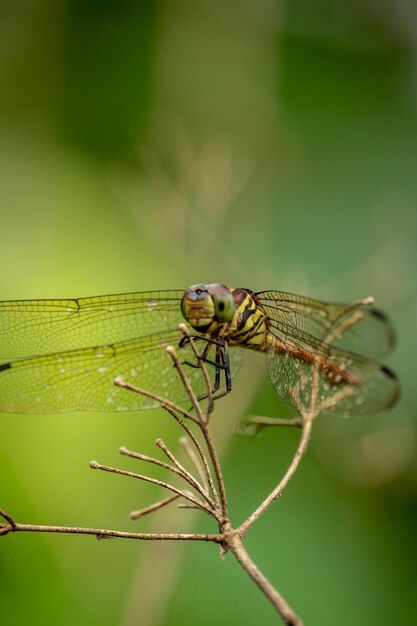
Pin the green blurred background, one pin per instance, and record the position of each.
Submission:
(148, 145)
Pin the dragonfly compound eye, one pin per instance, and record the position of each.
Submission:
(223, 301)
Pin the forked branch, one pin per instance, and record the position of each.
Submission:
(206, 489)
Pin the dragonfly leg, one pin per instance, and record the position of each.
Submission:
(209, 340)
(204, 355)
(222, 364)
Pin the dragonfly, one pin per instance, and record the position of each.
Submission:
(63, 355)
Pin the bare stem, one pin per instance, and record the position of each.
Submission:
(199, 449)
(186, 383)
(275, 493)
(158, 399)
(103, 533)
(184, 472)
(205, 429)
(148, 459)
(177, 468)
(153, 507)
(189, 450)
(253, 424)
(185, 494)
(356, 317)
(281, 605)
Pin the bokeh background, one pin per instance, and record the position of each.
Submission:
(260, 143)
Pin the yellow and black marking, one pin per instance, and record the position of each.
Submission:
(248, 327)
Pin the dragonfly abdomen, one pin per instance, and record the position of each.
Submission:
(336, 372)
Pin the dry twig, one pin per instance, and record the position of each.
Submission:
(207, 492)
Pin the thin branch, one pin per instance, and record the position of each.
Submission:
(153, 507)
(102, 533)
(120, 383)
(177, 469)
(217, 468)
(356, 317)
(185, 494)
(336, 398)
(308, 414)
(275, 493)
(281, 605)
(184, 505)
(252, 424)
(189, 450)
(184, 472)
(186, 383)
(148, 459)
(198, 447)
(349, 307)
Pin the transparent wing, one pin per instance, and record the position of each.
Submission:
(38, 327)
(83, 379)
(312, 321)
(63, 355)
(295, 380)
(326, 332)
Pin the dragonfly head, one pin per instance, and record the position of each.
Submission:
(206, 307)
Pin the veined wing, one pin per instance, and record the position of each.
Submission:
(376, 389)
(326, 332)
(40, 327)
(83, 379)
(312, 321)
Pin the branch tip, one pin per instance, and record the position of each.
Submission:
(368, 300)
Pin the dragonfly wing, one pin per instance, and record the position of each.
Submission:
(83, 379)
(297, 382)
(40, 327)
(304, 318)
